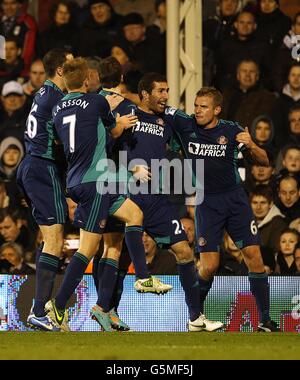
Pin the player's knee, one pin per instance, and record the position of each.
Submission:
(113, 253)
(207, 270)
(185, 254)
(136, 217)
(54, 245)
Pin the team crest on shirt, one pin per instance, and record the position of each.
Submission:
(102, 224)
(160, 122)
(202, 242)
(222, 140)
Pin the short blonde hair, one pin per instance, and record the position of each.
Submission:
(75, 72)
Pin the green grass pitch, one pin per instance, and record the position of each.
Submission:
(148, 346)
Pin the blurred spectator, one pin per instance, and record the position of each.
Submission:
(270, 220)
(130, 85)
(243, 45)
(99, 32)
(4, 198)
(145, 8)
(285, 257)
(290, 164)
(220, 26)
(11, 154)
(124, 54)
(17, 23)
(262, 132)
(12, 68)
(294, 126)
(290, 97)
(71, 245)
(289, 198)
(272, 23)
(37, 77)
(249, 100)
(295, 225)
(159, 25)
(94, 80)
(150, 53)
(285, 57)
(62, 32)
(12, 230)
(14, 255)
(297, 260)
(189, 228)
(260, 175)
(159, 261)
(14, 111)
(232, 261)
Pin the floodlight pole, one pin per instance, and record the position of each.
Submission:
(184, 51)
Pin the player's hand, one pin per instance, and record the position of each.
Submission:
(127, 121)
(141, 173)
(245, 138)
(114, 100)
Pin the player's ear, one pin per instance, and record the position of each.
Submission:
(218, 110)
(59, 71)
(145, 95)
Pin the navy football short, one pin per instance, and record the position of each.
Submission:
(228, 211)
(38, 179)
(161, 221)
(94, 208)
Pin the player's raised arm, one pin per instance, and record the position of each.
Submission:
(257, 154)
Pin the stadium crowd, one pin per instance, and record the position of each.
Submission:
(249, 53)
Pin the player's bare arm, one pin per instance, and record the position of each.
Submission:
(122, 123)
(257, 154)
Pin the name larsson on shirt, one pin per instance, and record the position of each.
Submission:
(207, 150)
(70, 103)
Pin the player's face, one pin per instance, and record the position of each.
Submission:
(10, 7)
(247, 75)
(159, 97)
(288, 192)
(292, 160)
(268, 6)
(260, 206)
(11, 157)
(262, 173)
(229, 7)
(294, 78)
(245, 24)
(37, 74)
(262, 132)
(9, 229)
(288, 243)
(295, 122)
(205, 110)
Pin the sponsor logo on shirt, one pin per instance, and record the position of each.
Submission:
(207, 150)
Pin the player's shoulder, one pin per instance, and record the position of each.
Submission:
(233, 126)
